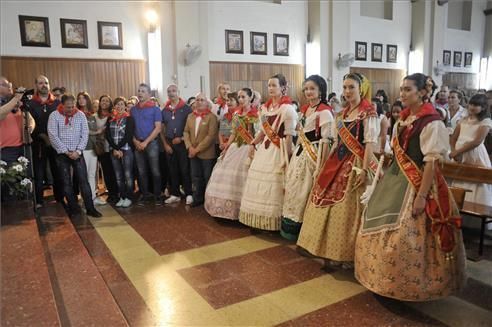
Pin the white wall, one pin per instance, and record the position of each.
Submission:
(130, 14)
(466, 41)
(374, 30)
(253, 16)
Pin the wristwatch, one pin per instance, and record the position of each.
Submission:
(79, 152)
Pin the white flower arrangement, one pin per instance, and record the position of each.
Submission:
(14, 178)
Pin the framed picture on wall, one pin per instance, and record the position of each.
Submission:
(391, 53)
(376, 52)
(457, 59)
(360, 50)
(468, 59)
(258, 43)
(281, 44)
(73, 33)
(446, 57)
(110, 35)
(34, 31)
(234, 41)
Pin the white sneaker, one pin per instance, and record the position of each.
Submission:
(166, 193)
(189, 199)
(120, 202)
(99, 202)
(126, 203)
(172, 199)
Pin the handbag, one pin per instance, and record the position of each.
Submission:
(100, 145)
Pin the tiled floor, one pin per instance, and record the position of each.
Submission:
(176, 266)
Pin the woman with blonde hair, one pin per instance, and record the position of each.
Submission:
(332, 216)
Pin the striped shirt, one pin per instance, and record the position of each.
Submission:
(71, 137)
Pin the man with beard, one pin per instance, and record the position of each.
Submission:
(42, 104)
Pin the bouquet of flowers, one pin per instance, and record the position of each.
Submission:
(14, 178)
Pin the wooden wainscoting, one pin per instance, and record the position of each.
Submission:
(255, 76)
(385, 79)
(467, 81)
(96, 76)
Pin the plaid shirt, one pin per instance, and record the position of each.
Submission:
(71, 137)
(118, 133)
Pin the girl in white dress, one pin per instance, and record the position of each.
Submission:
(316, 134)
(225, 188)
(467, 147)
(263, 195)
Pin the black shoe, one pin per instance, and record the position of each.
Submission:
(94, 213)
(196, 204)
(144, 200)
(112, 199)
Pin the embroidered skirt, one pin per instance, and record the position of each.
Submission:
(225, 188)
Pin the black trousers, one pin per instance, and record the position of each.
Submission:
(109, 175)
(65, 166)
(40, 156)
(179, 169)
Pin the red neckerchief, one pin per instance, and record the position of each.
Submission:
(283, 100)
(230, 112)
(62, 112)
(427, 109)
(253, 112)
(146, 104)
(118, 117)
(221, 102)
(49, 101)
(181, 104)
(201, 114)
(365, 109)
(320, 107)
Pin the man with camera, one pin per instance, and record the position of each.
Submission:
(12, 123)
(42, 104)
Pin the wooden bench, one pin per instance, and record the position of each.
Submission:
(473, 174)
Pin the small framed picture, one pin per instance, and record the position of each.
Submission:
(34, 31)
(376, 52)
(468, 59)
(73, 33)
(258, 43)
(110, 35)
(457, 59)
(391, 53)
(360, 50)
(281, 44)
(446, 57)
(234, 41)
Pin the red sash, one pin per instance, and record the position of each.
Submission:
(354, 145)
(245, 134)
(271, 134)
(438, 205)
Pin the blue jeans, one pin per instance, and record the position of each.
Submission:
(149, 158)
(123, 170)
(201, 169)
(65, 165)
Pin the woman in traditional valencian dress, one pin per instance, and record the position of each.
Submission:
(332, 215)
(261, 204)
(225, 188)
(316, 134)
(410, 246)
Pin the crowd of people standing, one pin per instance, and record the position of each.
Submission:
(314, 174)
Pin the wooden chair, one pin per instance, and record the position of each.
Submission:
(473, 174)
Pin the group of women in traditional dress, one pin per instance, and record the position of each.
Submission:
(398, 227)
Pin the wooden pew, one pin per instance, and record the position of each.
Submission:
(474, 174)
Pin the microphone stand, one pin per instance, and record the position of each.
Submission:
(28, 154)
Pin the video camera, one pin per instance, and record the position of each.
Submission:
(27, 94)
